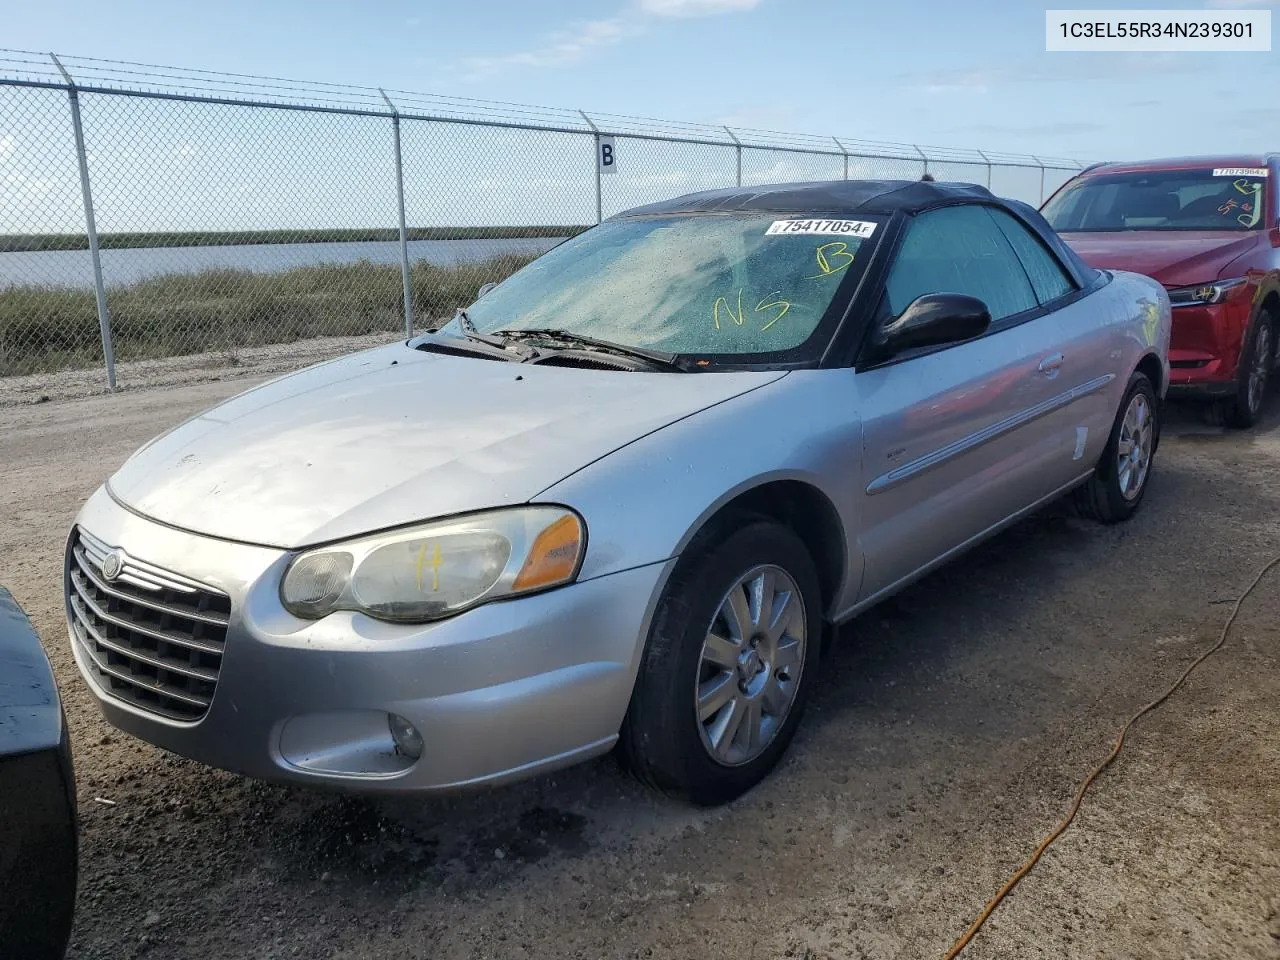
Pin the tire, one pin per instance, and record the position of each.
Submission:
(1256, 361)
(1116, 489)
(664, 741)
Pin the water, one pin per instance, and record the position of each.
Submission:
(71, 268)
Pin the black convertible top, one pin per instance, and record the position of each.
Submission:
(826, 196)
(875, 197)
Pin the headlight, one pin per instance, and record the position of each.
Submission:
(1202, 293)
(438, 569)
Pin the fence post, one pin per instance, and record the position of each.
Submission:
(404, 237)
(922, 157)
(1041, 163)
(91, 225)
(595, 134)
(988, 163)
(737, 146)
(845, 154)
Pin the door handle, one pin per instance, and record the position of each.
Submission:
(1050, 364)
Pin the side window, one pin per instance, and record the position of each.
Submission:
(1048, 278)
(959, 250)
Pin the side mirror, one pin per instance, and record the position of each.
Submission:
(935, 319)
(485, 289)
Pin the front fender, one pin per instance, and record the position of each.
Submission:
(644, 502)
(1144, 325)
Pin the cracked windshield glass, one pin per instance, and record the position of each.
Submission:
(711, 284)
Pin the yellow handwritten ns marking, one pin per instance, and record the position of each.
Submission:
(773, 301)
(784, 304)
(436, 563)
(737, 318)
(832, 258)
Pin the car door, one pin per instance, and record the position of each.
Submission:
(954, 440)
(1089, 348)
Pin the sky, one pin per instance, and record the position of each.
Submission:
(959, 75)
(972, 74)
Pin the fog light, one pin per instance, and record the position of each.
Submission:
(408, 739)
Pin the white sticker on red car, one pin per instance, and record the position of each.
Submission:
(835, 228)
(1240, 171)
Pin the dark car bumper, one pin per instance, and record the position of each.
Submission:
(38, 829)
(1204, 390)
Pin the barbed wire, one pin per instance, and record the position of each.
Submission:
(140, 78)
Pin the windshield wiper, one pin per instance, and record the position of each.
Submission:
(448, 342)
(658, 357)
(471, 332)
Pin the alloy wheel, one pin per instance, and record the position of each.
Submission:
(750, 666)
(1134, 446)
(1260, 368)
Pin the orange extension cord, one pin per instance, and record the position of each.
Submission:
(1023, 870)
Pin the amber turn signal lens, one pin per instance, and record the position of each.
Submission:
(553, 556)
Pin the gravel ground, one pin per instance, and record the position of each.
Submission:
(239, 363)
(947, 734)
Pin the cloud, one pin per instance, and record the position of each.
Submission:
(32, 188)
(562, 47)
(1061, 128)
(1235, 4)
(582, 39)
(695, 8)
(945, 81)
(1053, 69)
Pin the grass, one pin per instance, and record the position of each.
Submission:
(45, 328)
(18, 242)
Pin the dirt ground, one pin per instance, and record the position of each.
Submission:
(237, 363)
(947, 734)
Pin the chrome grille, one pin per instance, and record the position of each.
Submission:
(152, 638)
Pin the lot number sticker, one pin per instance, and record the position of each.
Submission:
(831, 228)
(1240, 171)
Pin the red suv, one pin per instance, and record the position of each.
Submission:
(1208, 229)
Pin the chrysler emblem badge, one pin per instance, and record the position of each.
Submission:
(112, 564)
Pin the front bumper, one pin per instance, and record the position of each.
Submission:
(1204, 350)
(498, 693)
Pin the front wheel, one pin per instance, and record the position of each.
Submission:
(725, 674)
(1256, 361)
(1119, 482)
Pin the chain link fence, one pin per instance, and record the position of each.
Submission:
(153, 212)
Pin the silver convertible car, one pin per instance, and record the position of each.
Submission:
(619, 500)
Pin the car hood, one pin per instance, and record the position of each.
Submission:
(396, 435)
(1174, 258)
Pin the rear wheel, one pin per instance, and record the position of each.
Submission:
(1256, 361)
(1119, 482)
(724, 677)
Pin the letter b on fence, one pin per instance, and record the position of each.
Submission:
(607, 156)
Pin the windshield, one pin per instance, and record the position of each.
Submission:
(700, 284)
(1225, 198)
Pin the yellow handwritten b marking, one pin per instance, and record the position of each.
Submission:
(739, 318)
(832, 258)
(436, 563)
(1243, 185)
(784, 304)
